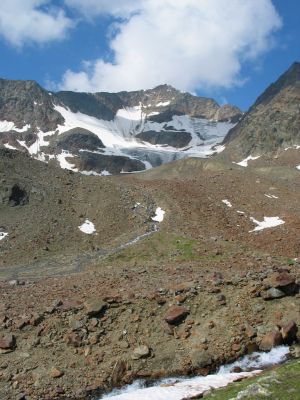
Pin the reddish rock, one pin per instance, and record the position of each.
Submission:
(56, 373)
(8, 342)
(270, 340)
(289, 332)
(281, 279)
(176, 314)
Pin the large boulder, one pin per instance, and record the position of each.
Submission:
(270, 340)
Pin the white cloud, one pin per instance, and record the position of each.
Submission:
(32, 21)
(119, 8)
(191, 44)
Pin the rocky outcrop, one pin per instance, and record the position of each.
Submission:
(272, 123)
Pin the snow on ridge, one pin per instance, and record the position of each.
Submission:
(268, 222)
(3, 235)
(163, 104)
(227, 203)
(87, 227)
(159, 215)
(244, 163)
(6, 126)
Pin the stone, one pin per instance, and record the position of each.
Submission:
(272, 293)
(176, 314)
(281, 279)
(140, 352)
(8, 342)
(68, 305)
(118, 373)
(289, 332)
(201, 358)
(270, 340)
(56, 373)
(95, 307)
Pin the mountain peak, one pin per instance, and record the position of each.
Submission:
(289, 78)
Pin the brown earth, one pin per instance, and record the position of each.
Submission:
(88, 314)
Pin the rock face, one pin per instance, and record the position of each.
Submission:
(111, 125)
(272, 122)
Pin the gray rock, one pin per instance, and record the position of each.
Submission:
(140, 352)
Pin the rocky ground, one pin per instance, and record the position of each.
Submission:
(200, 291)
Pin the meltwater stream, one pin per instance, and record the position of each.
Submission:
(185, 388)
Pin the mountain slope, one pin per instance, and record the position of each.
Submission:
(272, 123)
(135, 130)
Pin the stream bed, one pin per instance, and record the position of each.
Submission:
(183, 388)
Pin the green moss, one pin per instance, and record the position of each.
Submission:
(282, 383)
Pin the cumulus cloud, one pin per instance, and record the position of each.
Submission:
(191, 44)
(32, 21)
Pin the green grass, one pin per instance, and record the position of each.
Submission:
(281, 383)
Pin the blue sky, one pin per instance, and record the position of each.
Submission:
(193, 45)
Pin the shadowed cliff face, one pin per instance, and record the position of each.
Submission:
(272, 123)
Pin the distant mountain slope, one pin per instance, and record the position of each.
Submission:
(273, 122)
(101, 133)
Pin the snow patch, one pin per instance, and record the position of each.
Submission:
(227, 202)
(64, 164)
(3, 235)
(268, 222)
(298, 167)
(163, 104)
(244, 163)
(8, 146)
(87, 227)
(271, 196)
(159, 215)
(6, 126)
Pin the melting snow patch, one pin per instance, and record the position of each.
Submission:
(271, 196)
(244, 163)
(298, 167)
(227, 202)
(159, 215)
(268, 222)
(61, 158)
(240, 212)
(182, 388)
(87, 227)
(3, 235)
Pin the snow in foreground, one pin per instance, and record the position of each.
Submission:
(268, 222)
(87, 227)
(3, 235)
(183, 388)
(159, 215)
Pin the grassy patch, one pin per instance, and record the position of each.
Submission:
(282, 383)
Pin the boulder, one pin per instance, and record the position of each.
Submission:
(201, 358)
(176, 314)
(95, 307)
(7, 342)
(56, 373)
(289, 332)
(281, 279)
(140, 352)
(272, 293)
(270, 340)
